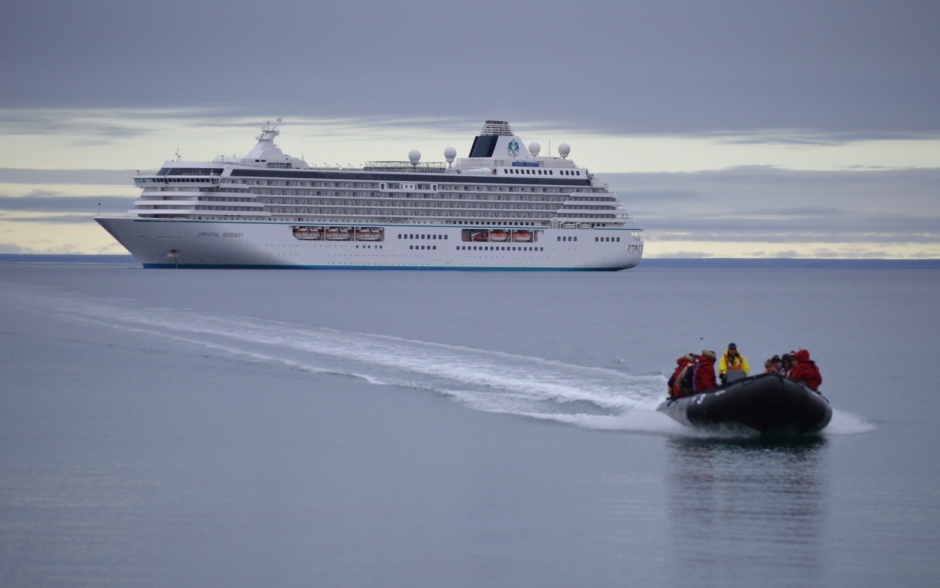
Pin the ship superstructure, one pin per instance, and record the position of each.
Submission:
(504, 206)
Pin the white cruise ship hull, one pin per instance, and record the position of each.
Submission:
(265, 244)
(503, 207)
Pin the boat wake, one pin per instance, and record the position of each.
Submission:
(484, 380)
(845, 423)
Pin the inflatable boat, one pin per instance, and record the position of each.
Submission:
(768, 403)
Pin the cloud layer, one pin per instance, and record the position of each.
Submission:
(870, 212)
(672, 66)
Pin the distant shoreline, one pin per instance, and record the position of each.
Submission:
(650, 263)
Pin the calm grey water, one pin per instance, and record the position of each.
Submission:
(279, 428)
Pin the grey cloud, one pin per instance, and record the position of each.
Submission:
(817, 137)
(794, 236)
(52, 122)
(67, 176)
(686, 255)
(677, 66)
(53, 205)
(67, 249)
(661, 196)
(766, 204)
(54, 219)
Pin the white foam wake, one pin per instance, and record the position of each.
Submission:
(844, 423)
(485, 380)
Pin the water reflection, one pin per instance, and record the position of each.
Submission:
(747, 508)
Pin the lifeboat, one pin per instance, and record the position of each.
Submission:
(369, 234)
(480, 237)
(767, 403)
(307, 233)
(337, 234)
(498, 235)
(522, 236)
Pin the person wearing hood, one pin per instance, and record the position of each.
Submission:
(705, 371)
(683, 364)
(732, 360)
(804, 370)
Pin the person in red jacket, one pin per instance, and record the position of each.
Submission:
(804, 370)
(705, 371)
(676, 389)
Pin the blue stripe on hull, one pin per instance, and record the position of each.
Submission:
(382, 267)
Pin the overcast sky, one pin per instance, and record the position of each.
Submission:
(696, 87)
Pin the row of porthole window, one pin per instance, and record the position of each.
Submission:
(420, 236)
(495, 248)
(541, 172)
(607, 239)
(422, 247)
(567, 238)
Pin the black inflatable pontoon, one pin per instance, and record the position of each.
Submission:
(767, 403)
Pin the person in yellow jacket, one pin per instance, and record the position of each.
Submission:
(732, 360)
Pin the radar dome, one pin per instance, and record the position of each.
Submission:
(415, 156)
(534, 148)
(450, 154)
(564, 150)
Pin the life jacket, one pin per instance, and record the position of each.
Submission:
(733, 363)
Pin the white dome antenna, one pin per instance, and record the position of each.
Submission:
(534, 148)
(564, 150)
(415, 156)
(450, 154)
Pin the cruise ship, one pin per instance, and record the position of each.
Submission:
(504, 207)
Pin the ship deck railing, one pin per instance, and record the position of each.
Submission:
(404, 166)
